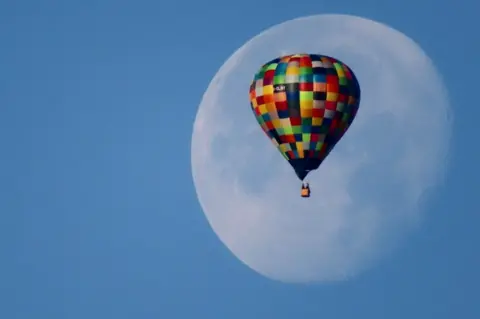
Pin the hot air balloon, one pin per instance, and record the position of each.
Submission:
(305, 103)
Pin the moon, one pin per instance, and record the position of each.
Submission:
(369, 192)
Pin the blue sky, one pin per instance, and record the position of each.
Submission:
(99, 217)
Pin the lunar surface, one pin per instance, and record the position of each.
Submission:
(366, 195)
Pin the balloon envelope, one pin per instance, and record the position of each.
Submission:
(305, 103)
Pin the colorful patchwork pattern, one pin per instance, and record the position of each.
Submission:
(305, 103)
